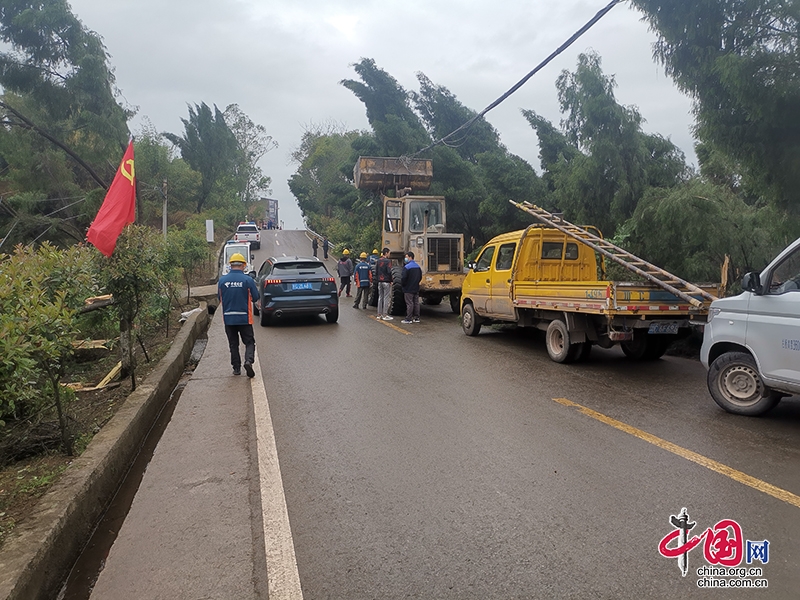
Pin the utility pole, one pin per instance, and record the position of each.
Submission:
(164, 212)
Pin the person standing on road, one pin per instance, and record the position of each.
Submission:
(237, 291)
(412, 275)
(363, 280)
(345, 269)
(325, 246)
(383, 278)
(314, 245)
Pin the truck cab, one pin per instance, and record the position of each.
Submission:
(751, 342)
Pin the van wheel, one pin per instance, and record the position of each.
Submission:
(470, 322)
(557, 342)
(736, 386)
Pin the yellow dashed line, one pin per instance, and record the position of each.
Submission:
(708, 463)
(393, 326)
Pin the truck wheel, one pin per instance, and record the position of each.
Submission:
(455, 303)
(736, 386)
(644, 346)
(557, 342)
(373, 295)
(397, 305)
(470, 321)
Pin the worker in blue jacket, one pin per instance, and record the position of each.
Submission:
(363, 276)
(237, 293)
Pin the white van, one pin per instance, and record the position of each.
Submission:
(243, 248)
(751, 342)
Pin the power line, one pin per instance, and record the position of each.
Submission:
(522, 81)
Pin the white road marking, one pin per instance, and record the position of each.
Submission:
(277, 243)
(282, 574)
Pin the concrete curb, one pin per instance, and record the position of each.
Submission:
(37, 560)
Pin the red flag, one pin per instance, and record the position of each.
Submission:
(118, 208)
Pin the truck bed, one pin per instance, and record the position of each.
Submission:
(605, 298)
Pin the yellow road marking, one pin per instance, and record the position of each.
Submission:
(703, 461)
(393, 326)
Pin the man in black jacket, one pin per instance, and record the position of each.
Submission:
(412, 275)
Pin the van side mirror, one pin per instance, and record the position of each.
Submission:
(471, 266)
(751, 282)
(252, 257)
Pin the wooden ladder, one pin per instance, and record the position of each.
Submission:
(664, 279)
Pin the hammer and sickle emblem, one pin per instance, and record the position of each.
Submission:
(129, 175)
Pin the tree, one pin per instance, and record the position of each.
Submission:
(601, 163)
(739, 63)
(41, 290)
(324, 190)
(62, 129)
(706, 222)
(132, 274)
(210, 148)
(398, 130)
(255, 143)
(156, 163)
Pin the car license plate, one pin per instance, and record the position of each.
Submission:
(668, 328)
(302, 286)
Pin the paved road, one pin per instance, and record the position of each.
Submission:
(378, 460)
(418, 462)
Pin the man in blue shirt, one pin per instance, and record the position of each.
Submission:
(410, 280)
(363, 279)
(237, 292)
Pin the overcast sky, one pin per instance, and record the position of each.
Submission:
(282, 61)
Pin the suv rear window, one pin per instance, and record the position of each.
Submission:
(247, 229)
(305, 268)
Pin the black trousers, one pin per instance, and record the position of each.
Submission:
(234, 332)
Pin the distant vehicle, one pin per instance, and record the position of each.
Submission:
(296, 285)
(243, 248)
(751, 343)
(248, 232)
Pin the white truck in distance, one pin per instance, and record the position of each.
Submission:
(248, 232)
(751, 342)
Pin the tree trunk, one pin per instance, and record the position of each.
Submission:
(126, 351)
(66, 438)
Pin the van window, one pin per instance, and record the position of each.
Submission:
(552, 250)
(505, 256)
(786, 276)
(485, 260)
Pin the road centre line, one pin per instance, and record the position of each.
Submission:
(703, 461)
(395, 327)
(283, 578)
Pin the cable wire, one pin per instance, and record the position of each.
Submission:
(522, 81)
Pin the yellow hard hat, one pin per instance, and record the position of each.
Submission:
(374, 250)
(362, 255)
(237, 258)
(346, 252)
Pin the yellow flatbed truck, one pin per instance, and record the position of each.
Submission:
(551, 276)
